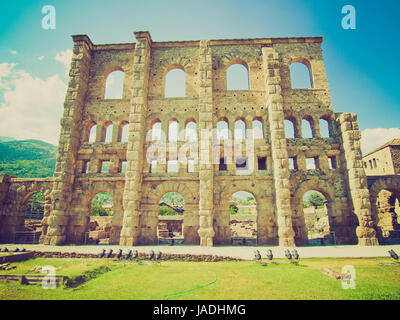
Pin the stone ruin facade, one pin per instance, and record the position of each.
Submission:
(207, 188)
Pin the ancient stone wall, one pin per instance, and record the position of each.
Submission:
(208, 170)
(381, 162)
(396, 159)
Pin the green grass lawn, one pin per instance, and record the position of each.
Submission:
(212, 280)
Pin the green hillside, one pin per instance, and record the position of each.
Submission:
(6, 139)
(27, 158)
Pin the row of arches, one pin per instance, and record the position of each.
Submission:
(109, 133)
(314, 209)
(190, 130)
(106, 132)
(307, 127)
(237, 76)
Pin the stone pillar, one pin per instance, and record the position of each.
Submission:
(191, 224)
(206, 172)
(357, 179)
(130, 233)
(278, 146)
(64, 174)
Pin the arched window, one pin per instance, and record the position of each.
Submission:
(324, 128)
(124, 127)
(190, 131)
(114, 85)
(237, 77)
(306, 129)
(240, 130)
(92, 133)
(173, 129)
(35, 206)
(289, 129)
(300, 76)
(222, 130)
(258, 132)
(175, 83)
(156, 131)
(108, 133)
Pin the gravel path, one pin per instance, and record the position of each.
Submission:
(228, 251)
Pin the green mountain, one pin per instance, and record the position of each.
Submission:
(6, 139)
(27, 158)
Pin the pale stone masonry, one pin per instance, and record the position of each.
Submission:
(384, 160)
(270, 100)
(206, 172)
(276, 117)
(131, 227)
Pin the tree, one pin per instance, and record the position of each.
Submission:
(167, 211)
(233, 209)
(98, 210)
(316, 200)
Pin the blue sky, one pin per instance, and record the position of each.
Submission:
(361, 64)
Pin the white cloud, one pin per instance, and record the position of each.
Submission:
(374, 138)
(65, 58)
(32, 106)
(13, 51)
(5, 72)
(41, 58)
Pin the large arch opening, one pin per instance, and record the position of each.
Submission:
(240, 130)
(223, 129)
(300, 76)
(237, 76)
(30, 229)
(123, 131)
(243, 218)
(175, 83)
(316, 208)
(101, 215)
(290, 128)
(306, 128)
(114, 86)
(170, 219)
(92, 133)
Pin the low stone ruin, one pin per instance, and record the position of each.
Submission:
(100, 229)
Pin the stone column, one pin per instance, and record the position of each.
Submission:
(357, 179)
(130, 233)
(71, 127)
(278, 146)
(206, 172)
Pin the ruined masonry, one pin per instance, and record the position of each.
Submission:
(136, 191)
